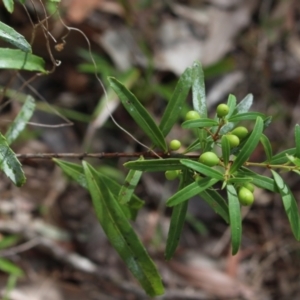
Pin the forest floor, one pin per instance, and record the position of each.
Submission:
(245, 47)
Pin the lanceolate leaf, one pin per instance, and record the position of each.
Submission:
(127, 190)
(191, 190)
(155, 165)
(177, 222)
(138, 113)
(75, 171)
(21, 120)
(216, 202)
(121, 235)
(281, 157)
(235, 218)
(19, 60)
(199, 102)
(201, 168)
(259, 180)
(9, 163)
(225, 150)
(174, 107)
(246, 116)
(245, 104)
(199, 123)
(267, 147)
(249, 146)
(297, 140)
(10, 268)
(9, 5)
(231, 102)
(11, 36)
(289, 203)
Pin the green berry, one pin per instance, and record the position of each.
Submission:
(209, 158)
(233, 140)
(171, 174)
(249, 186)
(222, 110)
(245, 196)
(241, 132)
(174, 145)
(192, 115)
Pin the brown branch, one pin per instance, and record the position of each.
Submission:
(101, 155)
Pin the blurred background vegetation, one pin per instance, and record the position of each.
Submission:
(244, 47)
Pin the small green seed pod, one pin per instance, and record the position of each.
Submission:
(249, 186)
(245, 196)
(241, 132)
(209, 158)
(174, 145)
(233, 140)
(171, 174)
(192, 115)
(222, 110)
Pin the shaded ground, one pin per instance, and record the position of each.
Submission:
(245, 48)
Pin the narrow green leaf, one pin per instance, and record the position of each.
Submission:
(216, 202)
(297, 140)
(19, 60)
(9, 241)
(191, 190)
(294, 160)
(249, 146)
(75, 171)
(245, 104)
(198, 88)
(199, 123)
(245, 116)
(21, 120)
(127, 189)
(235, 218)
(259, 180)
(9, 5)
(225, 150)
(231, 102)
(242, 107)
(199, 101)
(289, 203)
(281, 158)
(202, 169)
(267, 147)
(177, 222)
(174, 107)
(10, 268)
(138, 113)
(10, 164)
(239, 180)
(193, 146)
(155, 165)
(121, 235)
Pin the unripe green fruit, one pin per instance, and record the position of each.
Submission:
(209, 158)
(233, 140)
(241, 132)
(249, 186)
(222, 110)
(245, 196)
(174, 145)
(171, 174)
(192, 115)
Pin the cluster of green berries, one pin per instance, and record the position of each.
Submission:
(245, 192)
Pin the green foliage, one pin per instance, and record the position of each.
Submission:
(223, 150)
(223, 162)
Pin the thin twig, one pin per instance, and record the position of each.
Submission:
(101, 155)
